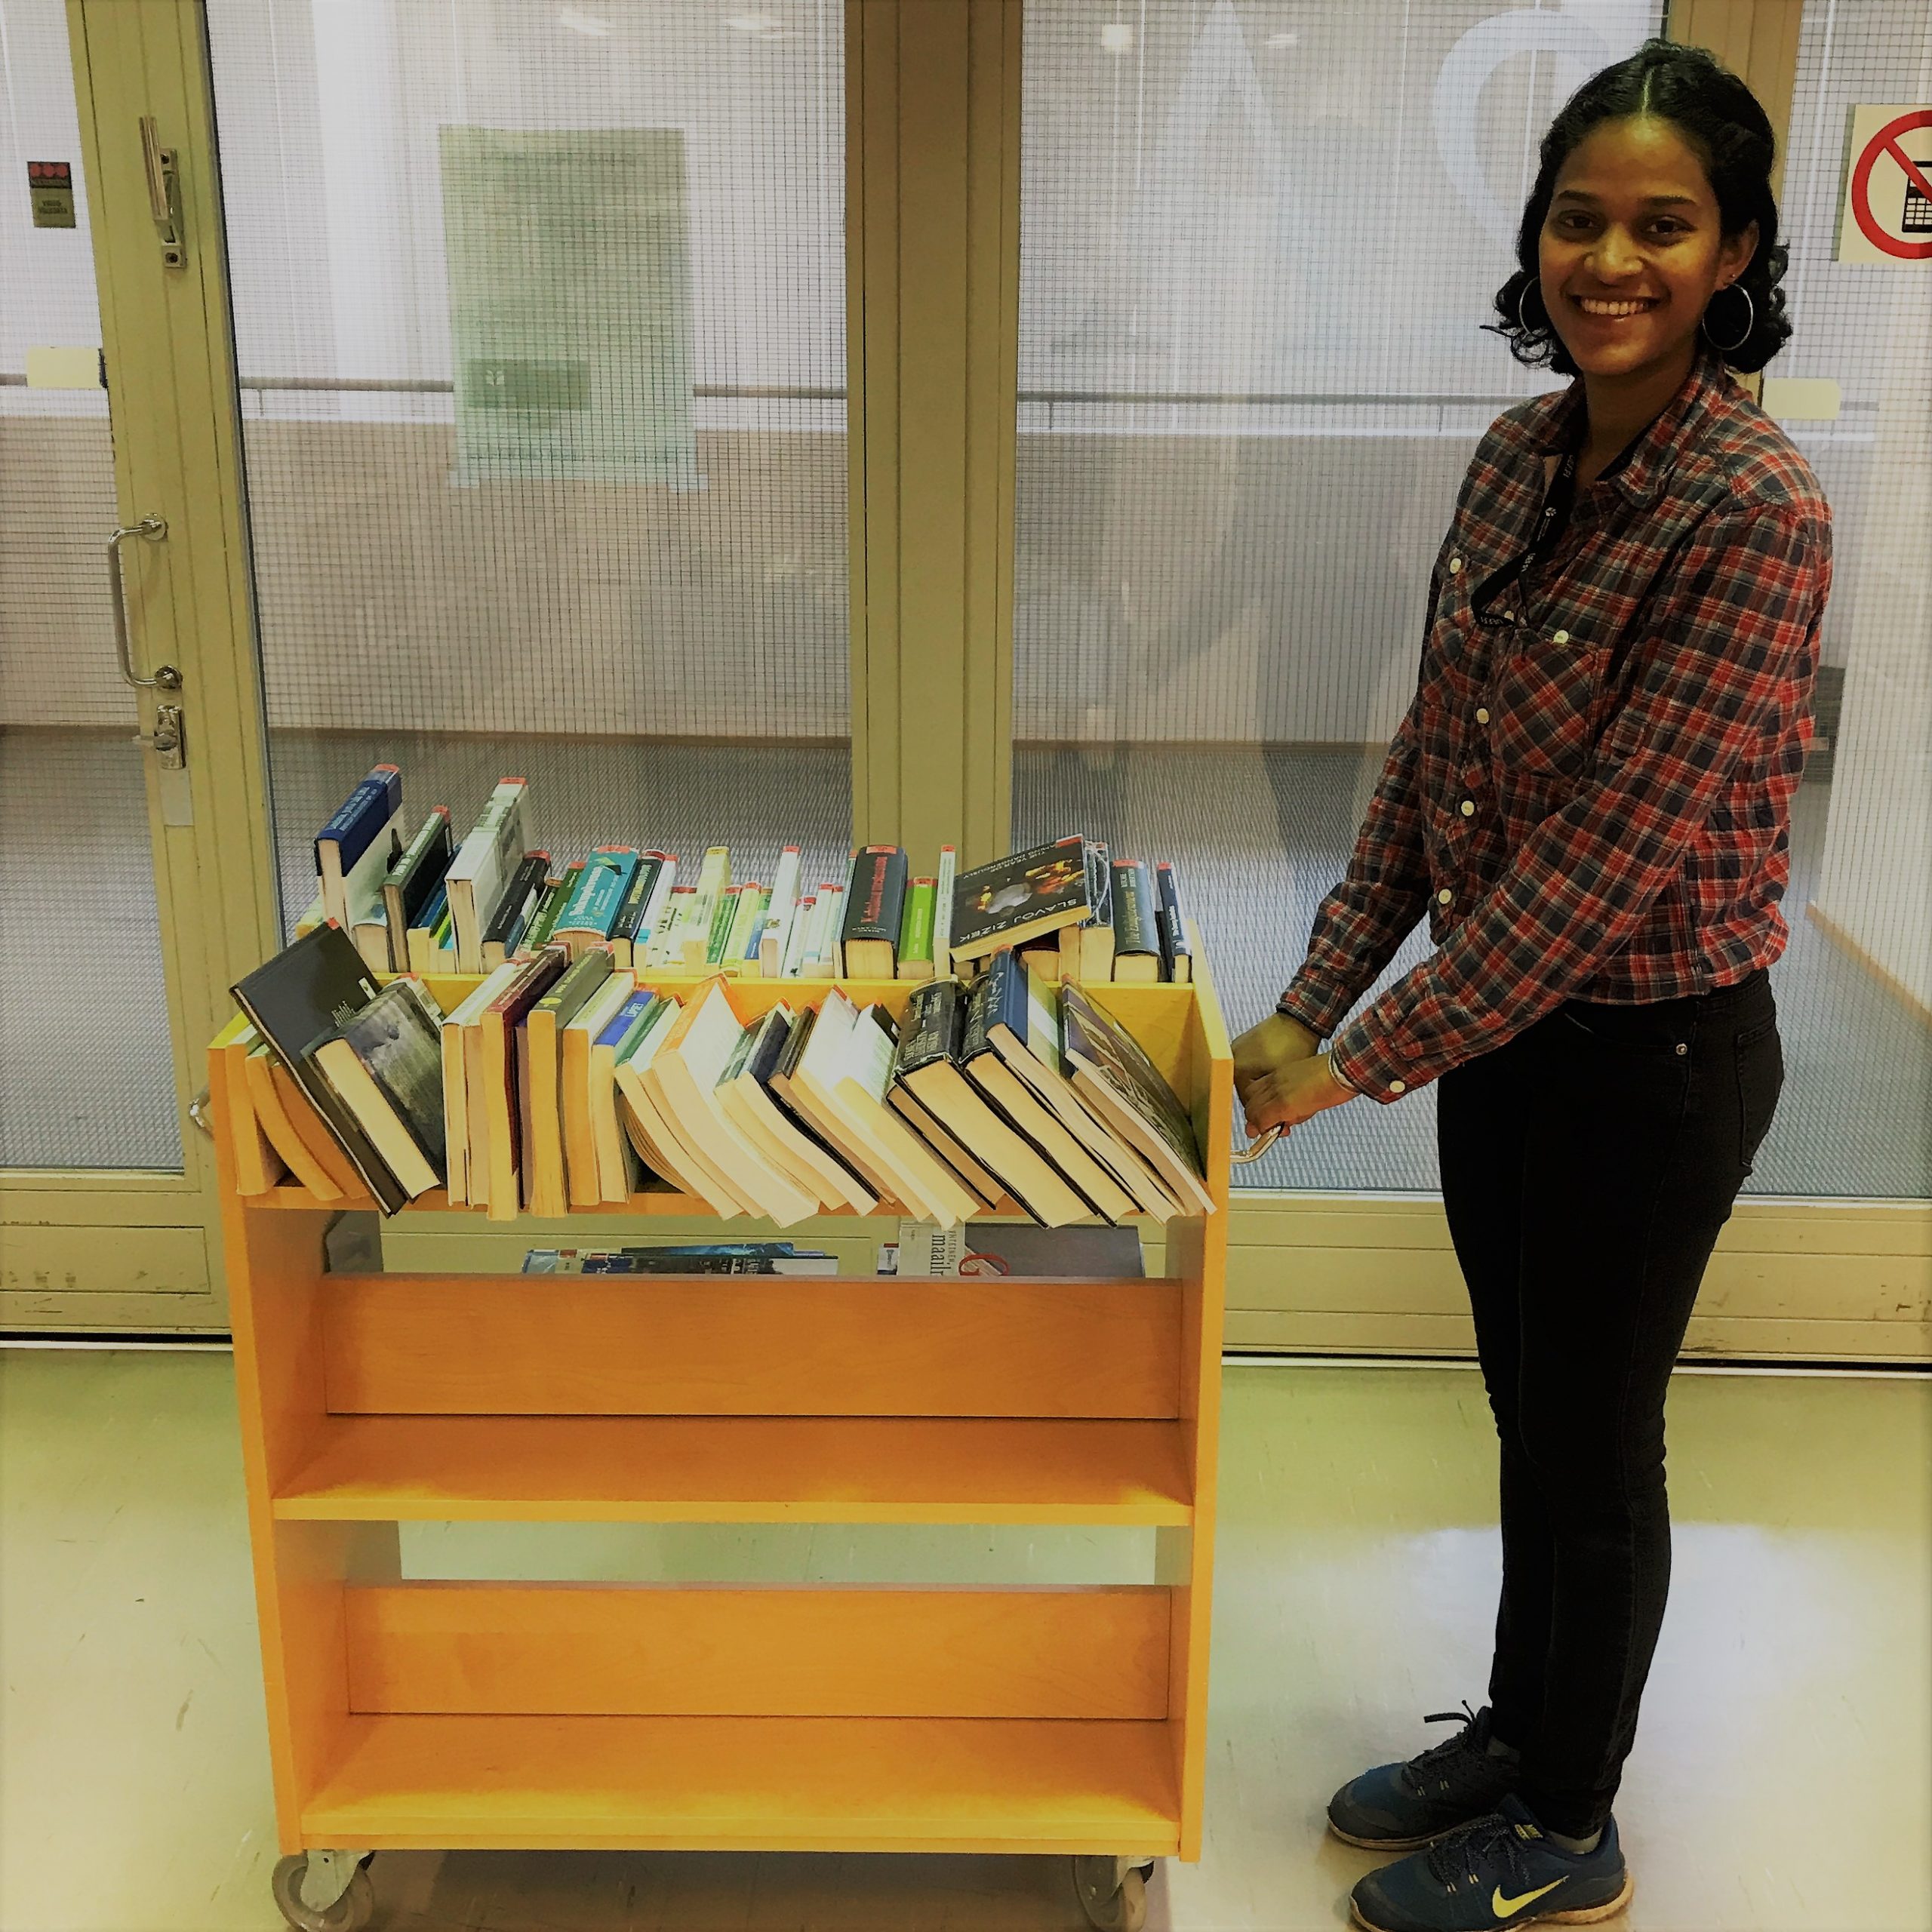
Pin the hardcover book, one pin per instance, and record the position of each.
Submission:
(875, 905)
(1018, 898)
(355, 825)
(1136, 926)
(385, 1065)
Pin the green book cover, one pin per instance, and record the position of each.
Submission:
(555, 898)
(600, 890)
(722, 915)
(915, 933)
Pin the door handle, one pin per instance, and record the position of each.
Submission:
(153, 528)
(164, 199)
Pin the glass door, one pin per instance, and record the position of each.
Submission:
(105, 1195)
(539, 325)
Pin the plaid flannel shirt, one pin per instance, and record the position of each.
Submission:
(1590, 796)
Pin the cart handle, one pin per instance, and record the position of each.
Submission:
(1255, 1148)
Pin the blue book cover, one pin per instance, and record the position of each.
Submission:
(627, 1017)
(361, 816)
(594, 905)
(432, 914)
(998, 999)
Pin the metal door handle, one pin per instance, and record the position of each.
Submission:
(159, 162)
(154, 528)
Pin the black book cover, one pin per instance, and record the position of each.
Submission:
(417, 875)
(566, 998)
(765, 1046)
(933, 1026)
(795, 1045)
(631, 912)
(1173, 924)
(876, 897)
(398, 1038)
(1018, 897)
(308, 991)
(511, 919)
(1135, 921)
(998, 999)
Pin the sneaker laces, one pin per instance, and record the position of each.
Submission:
(1463, 1759)
(1457, 1859)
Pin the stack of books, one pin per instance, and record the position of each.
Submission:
(561, 1080)
(416, 901)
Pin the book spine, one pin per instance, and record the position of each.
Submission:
(656, 908)
(825, 958)
(714, 880)
(804, 915)
(600, 891)
(742, 950)
(930, 1027)
(356, 822)
(777, 930)
(915, 955)
(1176, 955)
(1135, 928)
(637, 897)
(943, 888)
(876, 901)
(543, 921)
(667, 948)
(724, 917)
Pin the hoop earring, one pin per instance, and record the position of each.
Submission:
(1523, 322)
(1750, 319)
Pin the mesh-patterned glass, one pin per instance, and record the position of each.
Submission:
(86, 1073)
(1258, 238)
(539, 319)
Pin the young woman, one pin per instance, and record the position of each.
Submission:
(1589, 798)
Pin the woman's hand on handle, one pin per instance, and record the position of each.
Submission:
(1282, 1076)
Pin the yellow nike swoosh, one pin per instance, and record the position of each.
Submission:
(1508, 1908)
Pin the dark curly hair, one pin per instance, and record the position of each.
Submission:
(1720, 118)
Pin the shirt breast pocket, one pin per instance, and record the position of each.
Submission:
(1543, 703)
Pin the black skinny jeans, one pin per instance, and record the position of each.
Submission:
(1587, 1166)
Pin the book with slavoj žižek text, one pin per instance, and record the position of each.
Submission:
(1125, 1089)
(875, 904)
(385, 1064)
(1087, 950)
(1137, 954)
(308, 990)
(1021, 897)
(481, 871)
(928, 1065)
(1176, 955)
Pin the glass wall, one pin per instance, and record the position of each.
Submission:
(539, 319)
(75, 859)
(1258, 238)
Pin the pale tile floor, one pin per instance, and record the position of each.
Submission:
(1782, 1778)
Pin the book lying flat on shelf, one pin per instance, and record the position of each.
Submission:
(759, 1257)
(1023, 897)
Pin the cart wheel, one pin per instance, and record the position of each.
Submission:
(1113, 1900)
(350, 1913)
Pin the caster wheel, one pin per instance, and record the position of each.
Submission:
(350, 1913)
(1113, 1901)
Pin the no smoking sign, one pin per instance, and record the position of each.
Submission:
(1888, 211)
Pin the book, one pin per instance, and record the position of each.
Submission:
(355, 825)
(1035, 1054)
(944, 890)
(776, 931)
(630, 931)
(419, 938)
(914, 958)
(666, 950)
(549, 908)
(385, 1065)
(588, 917)
(660, 1138)
(459, 1026)
(309, 989)
(480, 873)
(999, 1001)
(515, 909)
(342, 1182)
(258, 1165)
(798, 937)
(779, 1257)
(930, 1065)
(277, 1125)
(978, 1179)
(1137, 932)
(410, 883)
(1087, 950)
(747, 1094)
(1018, 898)
(824, 953)
(844, 1075)
(714, 880)
(620, 1037)
(849, 1152)
(370, 933)
(875, 905)
(741, 948)
(581, 1182)
(683, 1080)
(500, 1091)
(1176, 954)
(546, 1190)
(1125, 1090)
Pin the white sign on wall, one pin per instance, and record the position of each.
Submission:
(1886, 214)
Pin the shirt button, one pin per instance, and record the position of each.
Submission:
(1468, 808)
(1482, 714)
(1443, 897)
(1398, 1086)
(1561, 637)
(1455, 566)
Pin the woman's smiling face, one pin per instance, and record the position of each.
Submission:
(1632, 248)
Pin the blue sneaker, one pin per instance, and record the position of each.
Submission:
(1396, 1807)
(1500, 1871)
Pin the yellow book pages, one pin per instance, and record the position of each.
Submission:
(258, 1165)
(275, 1123)
(300, 1112)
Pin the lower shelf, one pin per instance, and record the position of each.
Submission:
(743, 1784)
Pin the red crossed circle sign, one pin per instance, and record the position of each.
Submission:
(1889, 140)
